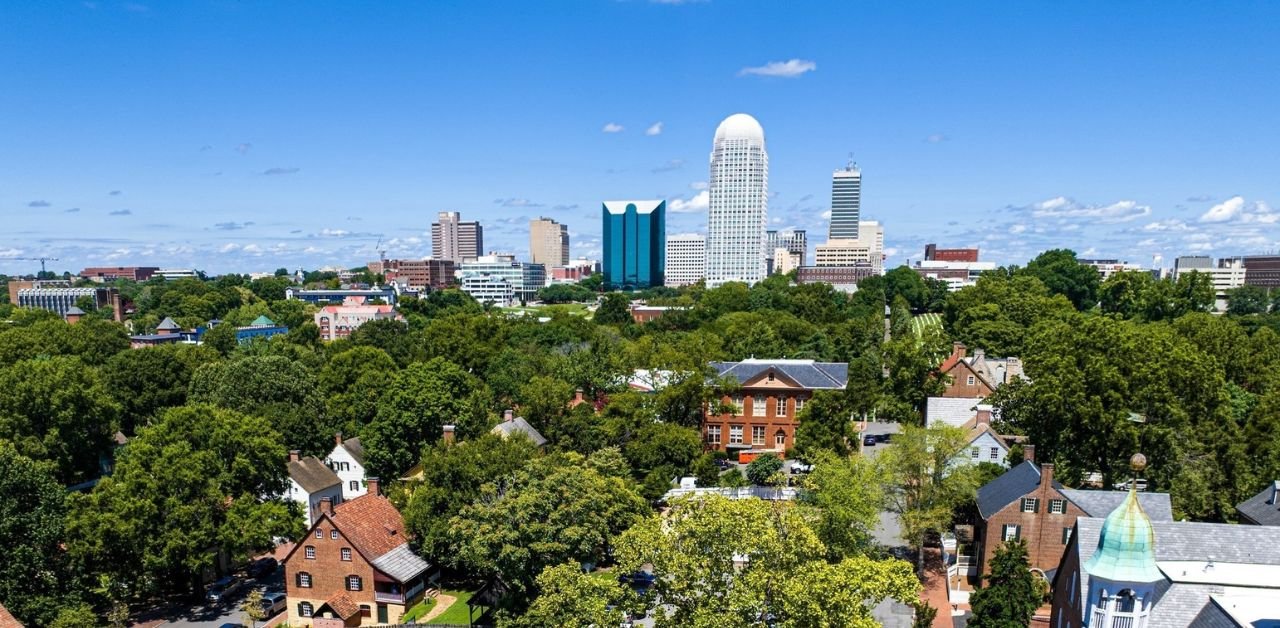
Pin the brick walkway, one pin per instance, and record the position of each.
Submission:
(935, 588)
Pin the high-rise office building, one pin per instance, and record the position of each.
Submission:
(794, 242)
(455, 240)
(739, 203)
(635, 235)
(846, 203)
(686, 259)
(548, 242)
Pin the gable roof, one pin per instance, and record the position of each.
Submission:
(312, 474)
(7, 620)
(371, 523)
(401, 563)
(262, 321)
(342, 605)
(355, 448)
(520, 426)
(1263, 509)
(1101, 503)
(807, 373)
(976, 430)
(1009, 487)
(167, 324)
(951, 410)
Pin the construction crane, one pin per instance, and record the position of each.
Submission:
(42, 260)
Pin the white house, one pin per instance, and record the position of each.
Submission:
(310, 482)
(347, 460)
(984, 443)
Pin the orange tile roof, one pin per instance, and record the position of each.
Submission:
(343, 606)
(371, 523)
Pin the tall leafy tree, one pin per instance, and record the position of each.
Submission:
(146, 381)
(1063, 274)
(925, 487)
(34, 577)
(198, 482)
(1011, 595)
(569, 598)
(272, 386)
(847, 495)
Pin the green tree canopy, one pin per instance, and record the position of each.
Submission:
(1011, 595)
(34, 577)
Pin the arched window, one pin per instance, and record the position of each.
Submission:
(303, 580)
(1126, 600)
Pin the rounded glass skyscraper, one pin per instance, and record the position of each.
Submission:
(739, 202)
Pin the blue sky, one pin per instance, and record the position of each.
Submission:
(251, 135)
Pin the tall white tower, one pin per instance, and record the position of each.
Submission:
(739, 203)
(846, 203)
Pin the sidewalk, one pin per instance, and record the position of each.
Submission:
(935, 589)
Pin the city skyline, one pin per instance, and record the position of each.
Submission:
(200, 135)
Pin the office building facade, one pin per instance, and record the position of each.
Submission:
(846, 203)
(548, 242)
(484, 279)
(686, 260)
(635, 234)
(794, 244)
(419, 274)
(739, 203)
(454, 239)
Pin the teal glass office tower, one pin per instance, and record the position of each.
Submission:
(635, 244)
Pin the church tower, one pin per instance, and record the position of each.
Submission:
(1122, 571)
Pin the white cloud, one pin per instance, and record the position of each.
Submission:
(252, 249)
(782, 69)
(699, 202)
(656, 129)
(698, 185)
(1062, 207)
(612, 128)
(334, 233)
(826, 215)
(1224, 211)
(229, 247)
(936, 138)
(1172, 224)
(1015, 229)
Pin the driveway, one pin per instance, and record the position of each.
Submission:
(203, 616)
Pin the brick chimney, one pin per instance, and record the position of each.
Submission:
(337, 438)
(958, 349)
(1029, 452)
(578, 397)
(508, 416)
(295, 455)
(983, 417)
(448, 434)
(1046, 475)
(326, 505)
(978, 354)
(372, 484)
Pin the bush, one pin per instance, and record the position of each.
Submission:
(761, 471)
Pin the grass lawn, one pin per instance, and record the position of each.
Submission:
(458, 612)
(418, 610)
(923, 321)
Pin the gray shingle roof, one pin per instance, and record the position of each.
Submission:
(401, 563)
(807, 373)
(1007, 488)
(312, 474)
(1186, 604)
(1101, 503)
(950, 410)
(355, 448)
(519, 426)
(1262, 508)
(168, 323)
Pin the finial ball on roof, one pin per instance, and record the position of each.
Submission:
(1138, 462)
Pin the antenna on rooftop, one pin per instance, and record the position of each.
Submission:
(851, 162)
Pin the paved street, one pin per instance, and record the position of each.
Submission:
(890, 613)
(205, 616)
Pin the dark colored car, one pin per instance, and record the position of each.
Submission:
(262, 567)
(885, 438)
(869, 441)
(220, 590)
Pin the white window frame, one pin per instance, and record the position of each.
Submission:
(345, 554)
(354, 484)
(757, 435)
(306, 609)
(333, 534)
(304, 580)
(737, 405)
(735, 434)
(799, 405)
(1057, 506)
(969, 381)
(995, 453)
(319, 533)
(1030, 504)
(713, 434)
(975, 452)
(357, 581)
(1005, 535)
(309, 552)
(780, 405)
(759, 405)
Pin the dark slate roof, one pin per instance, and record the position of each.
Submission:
(1262, 508)
(809, 374)
(312, 474)
(1101, 503)
(521, 426)
(1009, 487)
(168, 323)
(1188, 604)
(75, 311)
(355, 448)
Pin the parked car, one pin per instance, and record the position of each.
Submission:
(884, 438)
(869, 440)
(273, 602)
(262, 567)
(220, 590)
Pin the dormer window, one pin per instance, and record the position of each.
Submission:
(770, 376)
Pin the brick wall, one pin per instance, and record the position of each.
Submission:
(772, 421)
(1041, 530)
(959, 385)
(328, 572)
(1068, 599)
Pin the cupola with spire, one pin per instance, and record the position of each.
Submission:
(1123, 571)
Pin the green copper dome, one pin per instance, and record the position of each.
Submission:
(1127, 546)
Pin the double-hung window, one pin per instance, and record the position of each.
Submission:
(1030, 504)
(757, 435)
(713, 434)
(1010, 532)
(758, 405)
(780, 405)
(735, 434)
(1057, 506)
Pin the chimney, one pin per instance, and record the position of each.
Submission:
(978, 354)
(337, 438)
(577, 397)
(983, 417)
(508, 415)
(1029, 452)
(448, 434)
(1046, 475)
(1275, 492)
(326, 505)
(372, 484)
(958, 349)
(294, 455)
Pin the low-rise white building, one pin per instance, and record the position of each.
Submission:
(310, 483)
(347, 461)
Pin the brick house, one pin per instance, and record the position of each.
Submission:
(769, 399)
(1027, 503)
(354, 566)
(976, 376)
